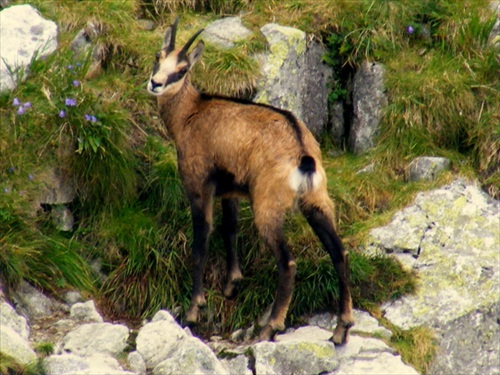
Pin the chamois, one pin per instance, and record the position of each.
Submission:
(232, 148)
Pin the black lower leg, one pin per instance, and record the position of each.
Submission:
(201, 231)
(230, 208)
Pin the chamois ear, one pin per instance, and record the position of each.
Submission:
(195, 54)
(169, 38)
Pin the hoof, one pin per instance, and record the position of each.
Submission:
(341, 333)
(231, 289)
(267, 333)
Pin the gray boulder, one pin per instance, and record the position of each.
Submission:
(225, 32)
(192, 357)
(294, 77)
(10, 318)
(70, 364)
(369, 356)
(15, 346)
(427, 167)
(451, 237)
(295, 357)
(160, 339)
(25, 35)
(33, 303)
(96, 338)
(85, 312)
(369, 98)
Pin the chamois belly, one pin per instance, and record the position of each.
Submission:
(226, 185)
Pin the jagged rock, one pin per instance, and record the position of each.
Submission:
(25, 35)
(225, 32)
(70, 364)
(160, 339)
(63, 218)
(294, 77)
(85, 312)
(364, 323)
(33, 303)
(15, 346)
(470, 343)
(92, 338)
(294, 357)
(369, 356)
(337, 123)
(451, 237)
(87, 42)
(192, 357)
(58, 188)
(369, 98)
(427, 167)
(136, 362)
(71, 297)
(9, 318)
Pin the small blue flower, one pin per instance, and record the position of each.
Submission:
(87, 117)
(62, 113)
(78, 64)
(11, 169)
(410, 30)
(16, 102)
(70, 67)
(20, 110)
(27, 105)
(70, 102)
(93, 118)
(6, 190)
(76, 83)
(30, 177)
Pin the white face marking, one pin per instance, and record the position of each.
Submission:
(167, 67)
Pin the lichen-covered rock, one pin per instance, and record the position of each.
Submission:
(238, 365)
(32, 303)
(427, 167)
(364, 323)
(25, 35)
(370, 357)
(295, 357)
(13, 345)
(92, 338)
(294, 77)
(136, 362)
(369, 98)
(10, 318)
(451, 237)
(192, 357)
(225, 32)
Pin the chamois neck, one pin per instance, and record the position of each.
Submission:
(176, 108)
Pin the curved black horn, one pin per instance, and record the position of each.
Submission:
(171, 44)
(189, 42)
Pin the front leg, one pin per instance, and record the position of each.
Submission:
(201, 213)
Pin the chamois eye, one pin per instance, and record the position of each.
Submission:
(157, 56)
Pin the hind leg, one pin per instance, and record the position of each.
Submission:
(269, 216)
(230, 210)
(318, 210)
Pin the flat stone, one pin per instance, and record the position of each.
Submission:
(92, 338)
(225, 32)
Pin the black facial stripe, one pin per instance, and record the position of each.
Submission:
(174, 77)
(156, 66)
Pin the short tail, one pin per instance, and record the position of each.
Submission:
(304, 178)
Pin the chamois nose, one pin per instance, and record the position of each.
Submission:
(154, 84)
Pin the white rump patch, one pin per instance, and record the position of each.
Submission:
(302, 183)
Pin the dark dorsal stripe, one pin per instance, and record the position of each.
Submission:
(291, 119)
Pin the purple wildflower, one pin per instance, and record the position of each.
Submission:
(30, 177)
(70, 102)
(20, 110)
(76, 83)
(70, 67)
(7, 190)
(27, 105)
(410, 29)
(87, 117)
(16, 102)
(62, 113)
(93, 118)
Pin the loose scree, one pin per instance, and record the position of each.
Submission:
(232, 148)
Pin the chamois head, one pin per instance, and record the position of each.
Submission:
(172, 65)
